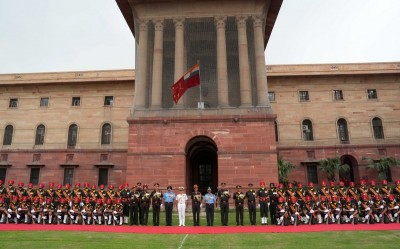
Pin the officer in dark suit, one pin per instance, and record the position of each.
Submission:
(251, 203)
(239, 196)
(196, 202)
(224, 196)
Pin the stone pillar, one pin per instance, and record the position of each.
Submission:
(261, 76)
(222, 67)
(179, 52)
(156, 87)
(141, 67)
(244, 67)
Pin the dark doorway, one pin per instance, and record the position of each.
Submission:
(349, 176)
(202, 164)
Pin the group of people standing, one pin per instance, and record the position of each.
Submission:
(285, 206)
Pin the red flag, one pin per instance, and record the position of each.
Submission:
(190, 79)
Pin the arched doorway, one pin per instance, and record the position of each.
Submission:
(202, 163)
(353, 173)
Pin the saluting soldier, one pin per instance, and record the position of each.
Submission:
(262, 195)
(251, 203)
(273, 198)
(144, 205)
(224, 196)
(196, 204)
(125, 195)
(239, 196)
(156, 201)
(134, 203)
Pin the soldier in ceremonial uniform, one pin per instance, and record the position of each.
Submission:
(324, 191)
(75, 213)
(20, 191)
(392, 209)
(196, 204)
(68, 193)
(224, 196)
(118, 212)
(251, 204)
(289, 192)
(396, 191)
(62, 211)
(323, 210)
(282, 216)
(300, 195)
(86, 190)
(293, 211)
(102, 194)
(262, 194)
(378, 210)
(31, 192)
(41, 193)
(125, 195)
(111, 192)
(2, 189)
(134, 203)
(10, 192)
(210, 202)
(50, 192)
(309, 211)
(23, 209)
(3, 211)
(312, 192)
(12, 210)
(98, 212)
(108, 212)
(365, 211)
(48, 211)
(352, 192)
(140, 189)
(144, 205)
(333, 191)
(156, 201)
(273, 198)
(342, 193)
(385, 191)
(239, 196)
(373, 190)
(36, 211)
(362, 190)
(335, 210)
(87, 212)
(349, 212)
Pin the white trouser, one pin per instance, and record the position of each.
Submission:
(181, 212)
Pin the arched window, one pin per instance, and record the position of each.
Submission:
(106, 134)
(8, 135)
(276, 132)
(72, 135)
(307, 130)
(40, 132)
(378, 128)
(343, 131)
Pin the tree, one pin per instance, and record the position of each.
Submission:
(382, 166)
(332, 166)
(283, 170)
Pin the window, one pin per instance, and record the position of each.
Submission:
(8, 135)
(303, 96)
(337, 95)
(13, 103)
(72, 135)
(271, 96)
(34, 178)
(44, 102)
(108, 100)
(103, 176)
(40, 131)
(76, 101)
(106, 134)
(378, 128)
(3, 172)
(342, 131)
(68, 176)
(312, 173)
(276, 132)
(307, 130)
(371, 94)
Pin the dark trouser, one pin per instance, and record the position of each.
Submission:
(168, 213)
(134, 213)
(239, 214)
(224, 213)
(272, 211)
(196, 213)
(144, 213)
(263, 209)
(210, 214)
(252, 212)
(156, 215)
(126, 208)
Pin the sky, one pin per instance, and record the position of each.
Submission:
(81, 35)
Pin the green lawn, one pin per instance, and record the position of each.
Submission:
(76, 240)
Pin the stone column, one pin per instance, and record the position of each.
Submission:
(244, 67)
(179, 52)
(141, 66)
(156, 87)
(261, 76)
(222, 67)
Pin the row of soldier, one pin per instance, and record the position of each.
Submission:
(89, 205)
